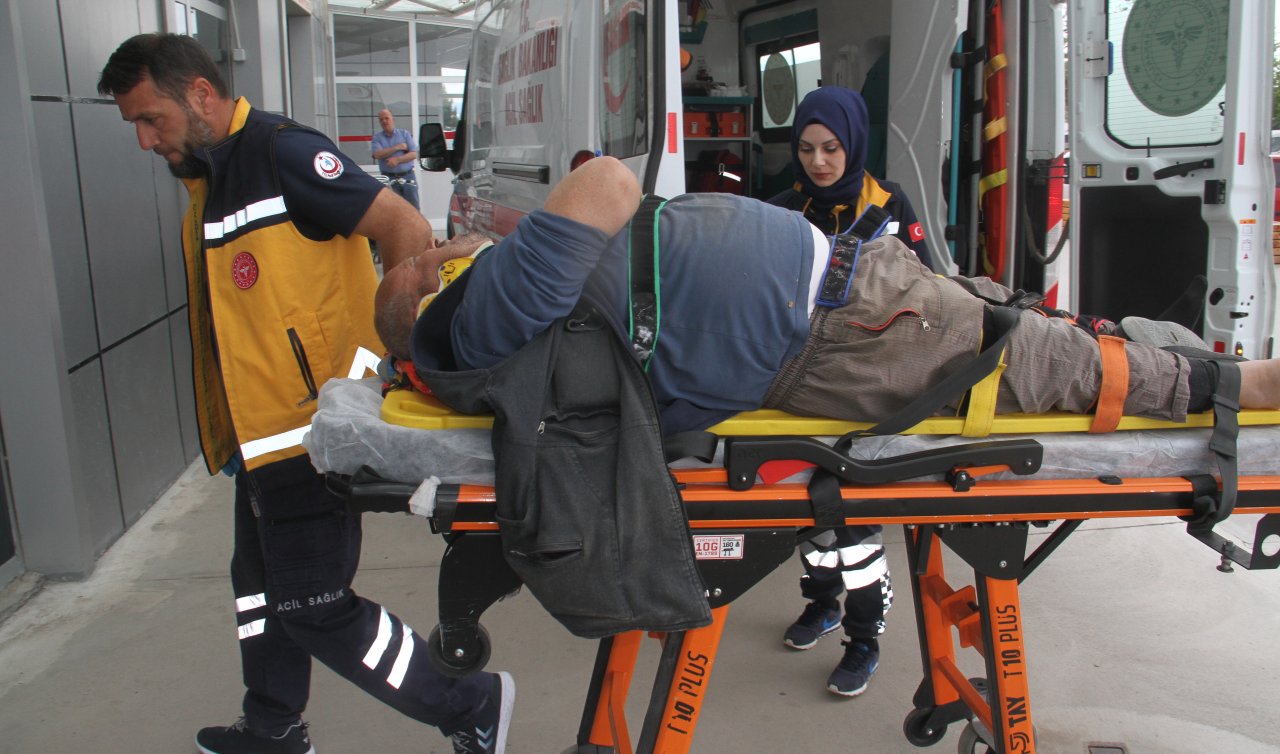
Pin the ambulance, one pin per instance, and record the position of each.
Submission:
(1113, 154)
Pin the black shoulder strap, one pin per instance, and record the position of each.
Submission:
(642, 252)
(1005, 321)
(824, 487)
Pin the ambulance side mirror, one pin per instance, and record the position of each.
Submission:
(433, 153)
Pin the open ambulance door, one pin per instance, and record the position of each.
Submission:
(1170, 176)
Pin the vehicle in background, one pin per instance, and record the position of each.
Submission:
(1168, 131)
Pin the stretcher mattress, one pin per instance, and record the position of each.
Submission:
(348, 432)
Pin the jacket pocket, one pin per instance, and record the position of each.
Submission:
(304, 367)
(310, 355)
(557, 519)
(901, 317)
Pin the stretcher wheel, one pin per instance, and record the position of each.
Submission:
(971, 742)
(454, 664)
(917, 730)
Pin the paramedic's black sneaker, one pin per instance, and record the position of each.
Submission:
(854, 672)
(486, 731)
(237, 738)
(814, 623)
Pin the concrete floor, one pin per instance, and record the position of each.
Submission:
(1133, 638)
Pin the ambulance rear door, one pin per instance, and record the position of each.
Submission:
(1169, 169)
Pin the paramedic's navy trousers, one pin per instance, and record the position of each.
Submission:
(296, 551)
(851, 562)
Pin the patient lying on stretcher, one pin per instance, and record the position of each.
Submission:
(739, 326)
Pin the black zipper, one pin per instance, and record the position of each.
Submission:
(300, 354)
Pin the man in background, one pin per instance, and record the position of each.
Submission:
(395, 150)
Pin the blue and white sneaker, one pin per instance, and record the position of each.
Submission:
(486, 731)
(814, 623)
(854, 672)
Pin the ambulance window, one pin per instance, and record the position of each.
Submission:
(482, 76)
(788, 70)
(1169, 68)
(624, 112)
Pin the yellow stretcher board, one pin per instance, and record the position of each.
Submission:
(409, 408)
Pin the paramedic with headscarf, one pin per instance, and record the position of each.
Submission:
(828, 155)
(832, 188)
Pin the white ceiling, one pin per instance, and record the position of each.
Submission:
(445, 8)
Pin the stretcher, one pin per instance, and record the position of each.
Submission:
(750, 506)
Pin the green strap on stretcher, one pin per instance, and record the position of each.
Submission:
(645, 297)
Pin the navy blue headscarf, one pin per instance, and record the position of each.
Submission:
(845, 113)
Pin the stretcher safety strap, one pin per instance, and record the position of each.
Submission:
(824, 487)
(645, 290)
(1223, 443)
(981, 414)
(1115, 384)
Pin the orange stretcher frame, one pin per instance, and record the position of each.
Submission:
(987, 525)
(983, 521)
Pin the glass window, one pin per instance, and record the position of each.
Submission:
(480, 95)
(441, 48)
(1169, 70)
(624, 113)
(442, 103)
(358, 106)
(206, 21)
(364, 46)
(788, 71)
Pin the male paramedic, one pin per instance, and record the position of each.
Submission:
(279, 283)
(741, 325)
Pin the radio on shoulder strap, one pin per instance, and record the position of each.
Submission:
(843, 259)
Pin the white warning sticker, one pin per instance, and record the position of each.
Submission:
(718, 546)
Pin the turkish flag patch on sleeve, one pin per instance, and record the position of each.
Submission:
(916, 231)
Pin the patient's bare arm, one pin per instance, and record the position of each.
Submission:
(1260, 384)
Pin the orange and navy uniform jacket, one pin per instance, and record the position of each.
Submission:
(876, 192)
(280, 290)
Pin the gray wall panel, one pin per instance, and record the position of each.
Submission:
(180, 337)
(94, 29)
(66, 229)
(144, 418)
(35, 395)
(121, 221)
(171, 202)
(97, 464)
(46, 71)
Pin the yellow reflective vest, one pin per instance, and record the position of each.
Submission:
(273, 313)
